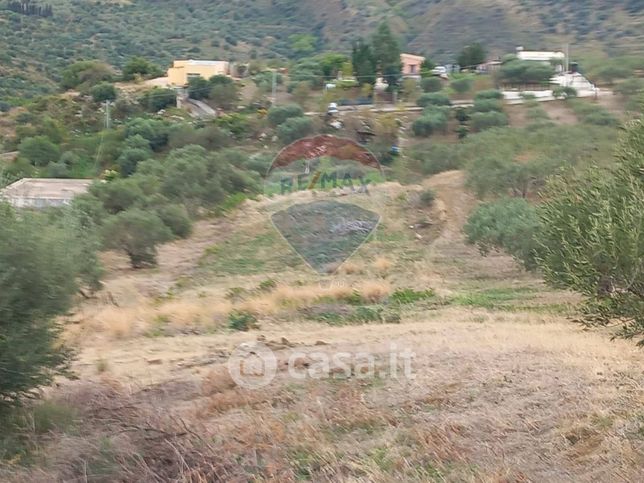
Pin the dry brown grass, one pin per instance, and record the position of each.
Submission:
(351, 267)
(382, 265)
(374, 291)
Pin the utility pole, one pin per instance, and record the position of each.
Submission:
(107, 115)
(274, 89)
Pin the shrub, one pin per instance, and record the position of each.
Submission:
(409, 296)
(509, 224)
(487, 120)
(489, 94)
(39, 150)
(280, 114)
(176, 218)
(487, 105)
(139, 66)
(156, 99)
(103, 92)
(242, 321)
(437, 158)
(601, 118)
(137, 233)
(427, 197)
(564, 92)
(432, 120)
(461, 86)
(295, 128)
(433, 99)
(431, 84)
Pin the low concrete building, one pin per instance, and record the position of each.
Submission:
(183, 70)
(44, 192)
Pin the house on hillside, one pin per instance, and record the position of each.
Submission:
(183, 70)
(44, 192)
(545, 57)
(411, 65)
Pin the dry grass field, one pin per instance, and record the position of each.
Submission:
(504, 387)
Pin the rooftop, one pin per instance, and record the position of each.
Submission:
(200, 62)
(542, 56)
(46, 188)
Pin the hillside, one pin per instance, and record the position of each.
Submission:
(504, 387)
(36, 48)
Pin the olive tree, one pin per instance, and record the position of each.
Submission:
(42, 262)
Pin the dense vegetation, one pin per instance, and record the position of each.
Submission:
(37, 49)
(585, 236)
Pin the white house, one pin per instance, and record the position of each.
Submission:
(544, 57)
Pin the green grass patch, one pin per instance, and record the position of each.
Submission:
(496, 298)
(245, 254)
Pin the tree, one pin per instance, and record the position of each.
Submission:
(303, 44)
(526, 72)
(429, 123)
(176, 218)
(39, 151)
(302, 93)
(471, 56)
(591, 237)
(386, 51)
(279, 114)
(155, 99)
(86, 74)
(508, 224)
(198, 88)
(139, 66)
(364, 63)
(224, 95)
(431, 84)
(461, 86)
(42, 263)
(138, 233)
(487, 120)
(433, 99)
(103, 92)
(295, 128)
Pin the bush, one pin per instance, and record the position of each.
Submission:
(139, 66)
(509, 224)
(433, 99)
(157, 98)
(461, 86)
(176, 218)
(487, 120)
(295, 128)
(427, 197)
(489, 94)
(242, 321)
(103, 92)
(137, 233)
(437, 158)
(41, 262)
(601, 118)
(429, 123)
(487, 105)
(431, 84)
(561, 92)
(39, 150)
(280, 114)
(410, 296)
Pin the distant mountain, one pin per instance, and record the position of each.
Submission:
(38, 42)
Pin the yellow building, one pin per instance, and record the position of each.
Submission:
(183, 70)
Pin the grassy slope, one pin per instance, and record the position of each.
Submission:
(36, 49)
(506, 388)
